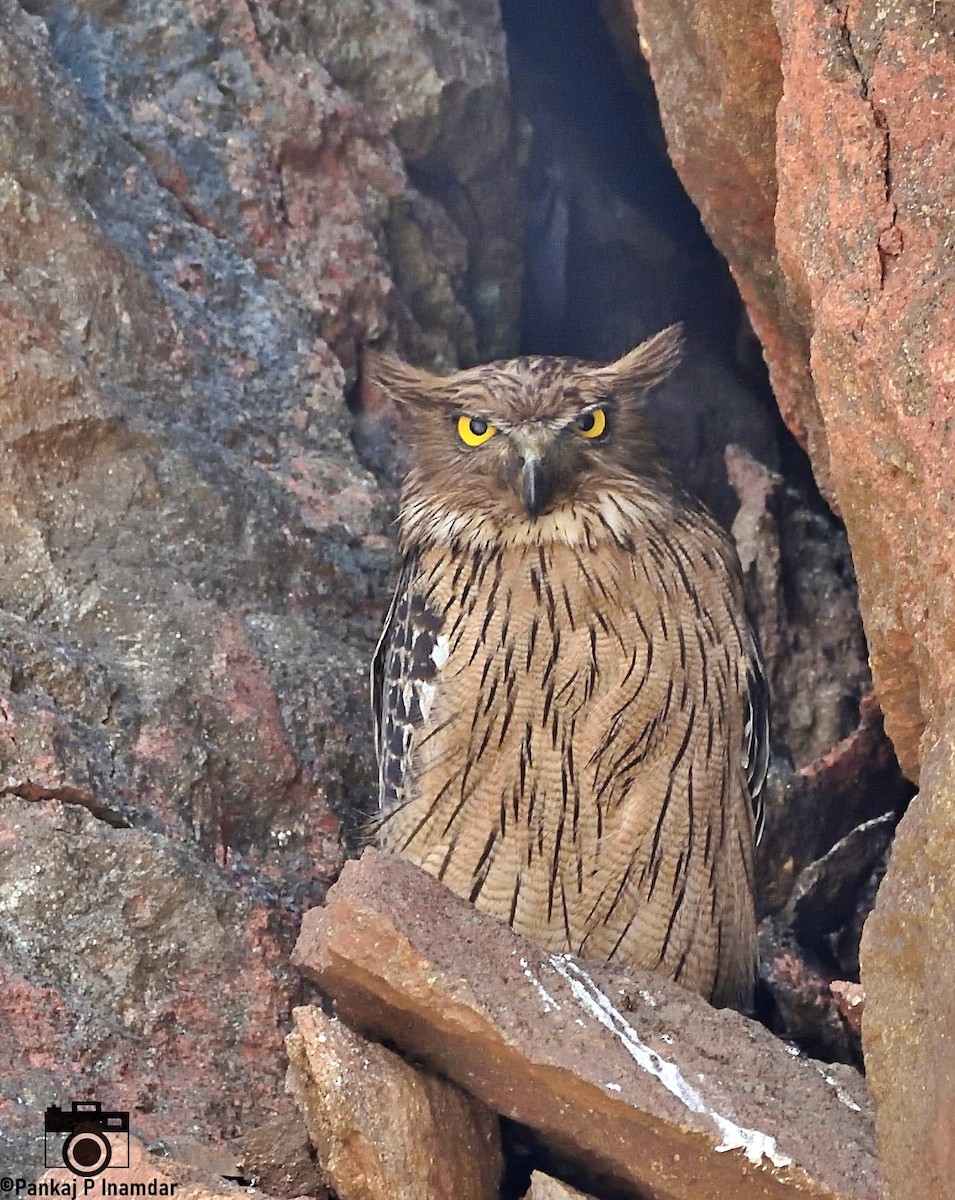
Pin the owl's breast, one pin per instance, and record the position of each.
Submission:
(547, 681)
(570, 740)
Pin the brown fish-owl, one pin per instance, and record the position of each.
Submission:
(572, 718)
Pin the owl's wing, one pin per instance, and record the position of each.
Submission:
(756, 733)
(402, 683)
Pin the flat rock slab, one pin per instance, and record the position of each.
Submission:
(382, 1129)
(638, 1082)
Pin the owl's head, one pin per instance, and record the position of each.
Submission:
(515, 440)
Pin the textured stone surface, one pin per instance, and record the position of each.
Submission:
(383, 1130)
(811, 810)
(814, 941)
(802, 599)
(278, 1159)
(851, 1000)
(132, 976)
(865, 227)
(631, 1078)
(435, 76)
(545, 1187)
(865, 211)
(183, 519)
(831, 812)
(715, 66)
(908, 1027)
(194, 222)
(286, 130)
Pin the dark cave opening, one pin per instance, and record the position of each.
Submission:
(598, 144)
(615, 249)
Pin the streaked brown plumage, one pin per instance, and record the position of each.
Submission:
(571, 712)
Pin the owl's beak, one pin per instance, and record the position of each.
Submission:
(535, 485)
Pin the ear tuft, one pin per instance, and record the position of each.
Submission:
(647, 364)
(399, 380)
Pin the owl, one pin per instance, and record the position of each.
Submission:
(571, 713)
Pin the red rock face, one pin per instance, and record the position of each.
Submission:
(865, 229)
(864, 214)
(715, 66)
(161, 980)
(383, 1129)
(862, 234)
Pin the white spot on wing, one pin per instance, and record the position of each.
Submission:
(425, 698)
(440, 651)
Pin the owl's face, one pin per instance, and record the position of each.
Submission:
(515, 441)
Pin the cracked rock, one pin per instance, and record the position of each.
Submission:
(627, 1077)
(382, 1129)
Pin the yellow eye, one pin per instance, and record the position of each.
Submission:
(591, 424)
(474, 430)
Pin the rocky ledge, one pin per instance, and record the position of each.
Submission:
(624, 1083)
